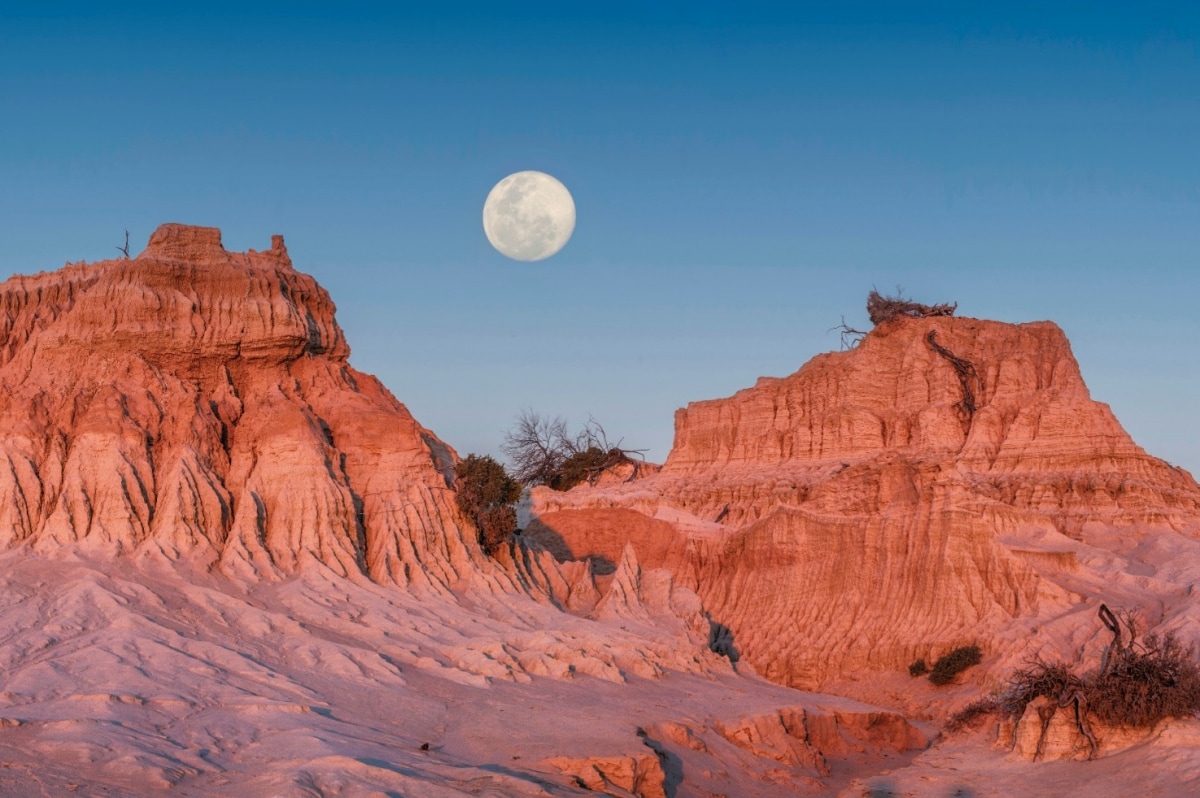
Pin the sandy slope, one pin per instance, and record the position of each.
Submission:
(123, 679)
(128, 679)
(1167, 765)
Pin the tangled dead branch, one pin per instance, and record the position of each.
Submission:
(882, 308)
(850, 336)
(885, 308)
(968, 378)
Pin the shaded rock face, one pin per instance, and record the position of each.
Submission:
(198, 403)
(862, 513)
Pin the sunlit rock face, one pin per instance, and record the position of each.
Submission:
(198, 403)
(229, 561)
(866, 511)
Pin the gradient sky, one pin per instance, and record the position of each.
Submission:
(742, 178)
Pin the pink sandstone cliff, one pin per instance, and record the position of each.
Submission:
(229, 558)
(198, 403)
(854, 516)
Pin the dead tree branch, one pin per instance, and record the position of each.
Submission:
(968, 378)
(125, 249)
(850, 336)
(885, 308)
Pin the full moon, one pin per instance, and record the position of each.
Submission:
(529, 216)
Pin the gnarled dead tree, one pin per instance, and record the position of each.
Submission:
(1139, 684)
(885, 308)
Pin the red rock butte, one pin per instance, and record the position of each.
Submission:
(855, 516)
(198, 403)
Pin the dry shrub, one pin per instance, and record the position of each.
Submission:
(918, 668)
(954, 663)
(885, 308)
(1144, 684)
(1147, 683)
(1039, 679)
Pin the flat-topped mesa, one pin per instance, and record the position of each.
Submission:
(996, 403)
(899, 390)
(199, 402)
(181, 302)
(185, 242)
(199, 245)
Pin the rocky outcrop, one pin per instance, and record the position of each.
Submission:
(807, 739)
(933, 487)
(638, 775)
(1035, 441)
(1046, 732)
(198, 403)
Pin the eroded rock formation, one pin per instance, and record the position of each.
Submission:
(199, 403)
(860, 513)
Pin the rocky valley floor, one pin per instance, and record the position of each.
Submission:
(126, 679)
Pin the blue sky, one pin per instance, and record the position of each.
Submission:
(743, 177)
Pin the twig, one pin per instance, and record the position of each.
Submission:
(125, 249)
(850, 336)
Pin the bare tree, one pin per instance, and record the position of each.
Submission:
(125, 249)
(536, 447)
(541, 451)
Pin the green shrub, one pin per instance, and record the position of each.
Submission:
(584, 466)
(486, 495)
(918, 668)
(954, 663)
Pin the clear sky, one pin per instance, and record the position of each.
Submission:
(742, 179)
